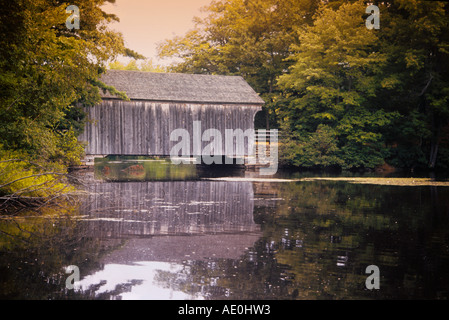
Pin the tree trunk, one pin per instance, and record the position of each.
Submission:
(267, 113)
(433, 153)
(435, 143)
(267, 119)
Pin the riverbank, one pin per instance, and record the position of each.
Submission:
(386, 181)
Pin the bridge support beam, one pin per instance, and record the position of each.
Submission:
(89, 160)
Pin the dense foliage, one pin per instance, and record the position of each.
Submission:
(343, 95)
(47, 72)
(133, 65)
(46, 69)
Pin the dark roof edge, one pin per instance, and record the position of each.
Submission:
(195, 102)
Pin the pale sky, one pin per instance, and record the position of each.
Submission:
(144, 23)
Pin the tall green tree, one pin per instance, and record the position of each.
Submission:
(414, 36)
(251, 38)
(47, 69)
(333, 82)
(381, 94)
(384, 92)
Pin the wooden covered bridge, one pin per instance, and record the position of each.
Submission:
(161, 103)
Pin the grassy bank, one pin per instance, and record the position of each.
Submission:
(386, 181)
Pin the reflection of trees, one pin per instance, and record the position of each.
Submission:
(135, 170)
(243, 279)
(92, 292)
(36, 246)
(334, 230)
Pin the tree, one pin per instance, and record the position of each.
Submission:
(147, 66)
(414, 37)
(333, 81)
(48, 74)
(250, 38)
(382, 93)
(47, 71)
(319, 150)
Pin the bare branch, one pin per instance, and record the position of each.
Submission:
(427, 86)
(33, 176)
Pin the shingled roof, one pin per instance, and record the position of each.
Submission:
(176, 87)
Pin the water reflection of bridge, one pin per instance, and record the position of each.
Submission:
(139, 209)
(169, 228)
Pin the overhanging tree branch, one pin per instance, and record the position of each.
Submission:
(32, 176)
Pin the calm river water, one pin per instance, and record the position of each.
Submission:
(147, 230)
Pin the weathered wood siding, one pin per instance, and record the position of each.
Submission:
(143, 128)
